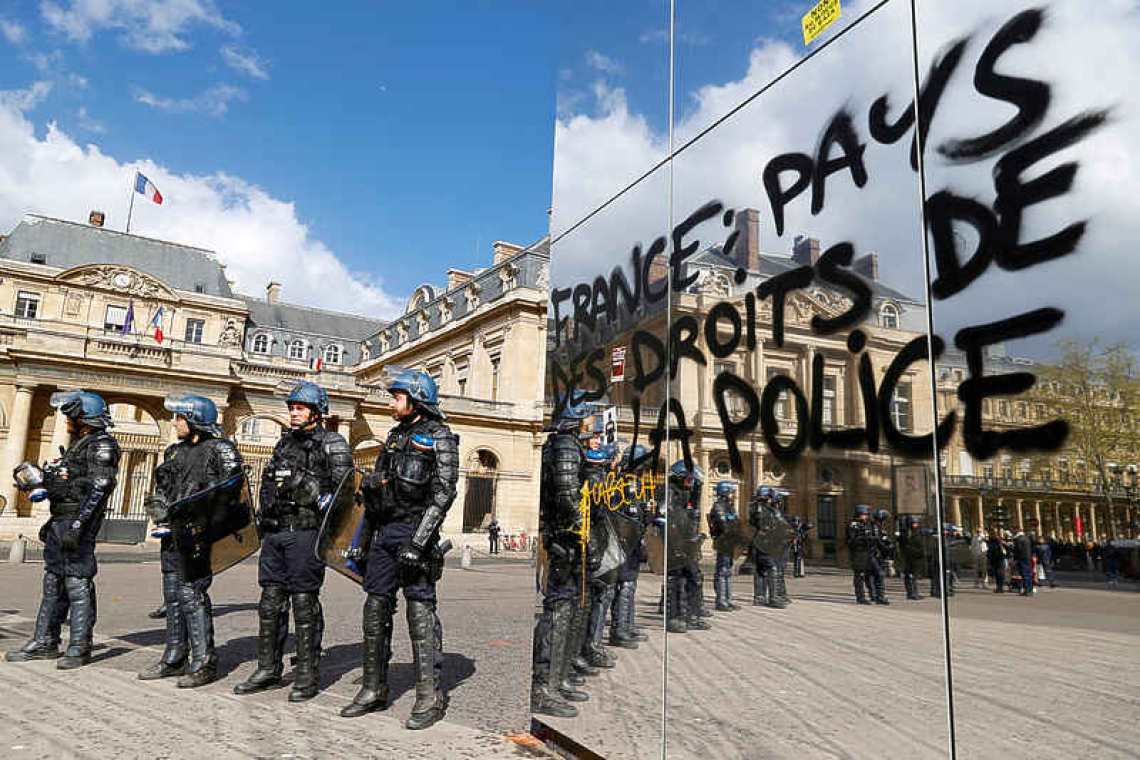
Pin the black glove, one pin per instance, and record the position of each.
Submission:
(267, 524)
(158, 510)
(45, 531)
(411, 561)
(70, 540)
(372, 482)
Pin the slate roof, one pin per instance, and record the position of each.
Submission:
(66, 244)
(293, 318)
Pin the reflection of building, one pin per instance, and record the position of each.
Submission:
(65, 294)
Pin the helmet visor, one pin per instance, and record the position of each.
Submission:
(179, 403)
(60, 399)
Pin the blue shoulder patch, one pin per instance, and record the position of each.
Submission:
(423, 442)
(596, 455)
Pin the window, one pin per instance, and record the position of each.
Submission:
(825, 514)
(39, 258)
(297, 349)
(1040, 411)
(900, 408)
(27, 304)
(194, 328)
(733, 400)
(723, 468)
(251, 427)
(1022, 410)
(461, 378)
(332, 354)
(829, 399)
(199, 287)
(116, 318)
(494, 378)
(261, 344)
(1003, 409)
(889, 316)
(781, 400)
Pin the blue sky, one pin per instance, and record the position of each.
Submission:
(394, 129)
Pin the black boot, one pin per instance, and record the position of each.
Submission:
(431, 702)
(630, 613)
(173, 661)
(619, 619)
(781, 588)
(268, 673)
(770, 581)
(544, 696)
(860, 598)
(198, 611)
(44, 644)
(80, 593)
(675, 621)
(377, 626)
(307, 675)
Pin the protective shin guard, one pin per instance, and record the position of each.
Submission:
(269, 649)
(782, 587)
(620, 635)
(44, 644)
(307, 676)
(79, 595)
(196, 608)
(771, 583)
(545, 698)
(377, 627)
(175, 653)
(431, 703)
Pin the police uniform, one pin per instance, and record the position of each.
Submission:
(913, 552)
(635, 513)
(860, 540)
(78, 486)
(764, 581)
(307, 466)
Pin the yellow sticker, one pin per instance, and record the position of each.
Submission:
(819, 18)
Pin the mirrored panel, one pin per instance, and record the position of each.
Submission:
(603, 550)
(612, 124)
(1031, 183)
(800, 333)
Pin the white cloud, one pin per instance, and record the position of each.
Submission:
(213, 102)
(88, 123)
(1090, 60)
(77, 81)
(153, 26)
(258, 236)
(13, 31)
(604, 63)
(26, 99)
(246, 61)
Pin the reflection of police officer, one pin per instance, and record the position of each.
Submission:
(764, 588)
(882, 547)
(307, 466)
(799, 544)
(590, 627)
(913, 555)
(560, 523)
(202, 458)
(721, 518)
(859, 543)
(636, 513)
(78, 486)
(780, 502)
(683, 604)
(407, 497)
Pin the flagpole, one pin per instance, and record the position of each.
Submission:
(131, 209)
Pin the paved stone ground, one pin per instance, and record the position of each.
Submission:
(1056, 674)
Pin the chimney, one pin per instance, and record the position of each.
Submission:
(504, 250)
(746, 250)
(805, 250)
(456, 278)
(96, 218)
(868, 266)
(273, 292)
(659, 269)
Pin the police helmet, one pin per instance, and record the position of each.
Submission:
(794, 520)
(913, 520)
(764, 492)
(200, 412)
(418, 385)
(882, 514)
(634, 455)
(598, 456)
(725, 487)
(89, 408)
(311, 395)
(862, 509)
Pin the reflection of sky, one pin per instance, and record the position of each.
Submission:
(1089, 62)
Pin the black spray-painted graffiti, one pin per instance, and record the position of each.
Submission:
(785, 178)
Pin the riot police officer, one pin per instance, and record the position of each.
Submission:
(682, 605)
(407, 497)
(590, 626)
(913, 554)
(764, 589)
(560, 522)
(694, 577)
(78, 485)
(202, 458)
(882, 547)
(634, 513)
(780, 502)
(799, 544)
(860, 542)
(307, 466)
(720, 517)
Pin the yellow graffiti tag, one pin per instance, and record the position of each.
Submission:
(617, 491)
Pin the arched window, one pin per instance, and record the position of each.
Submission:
(889, 316)
(261, 344)
(332, 354)
(297, 349)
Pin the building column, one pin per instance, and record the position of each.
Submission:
(1058, 526)
(979, 515)
(1020, 516)
(1092, 520)
(17, 441)
(1040, 529)
(344, 427)
(955, 511)
(60, 436)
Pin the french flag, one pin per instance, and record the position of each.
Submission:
(144, 186)
(156, 323)
(315, 363)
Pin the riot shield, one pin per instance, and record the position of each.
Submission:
(343, 540)
(608, 543)
(773, 534)
(733, 541)
(214, 529)
(682, 542)
(628, 529)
